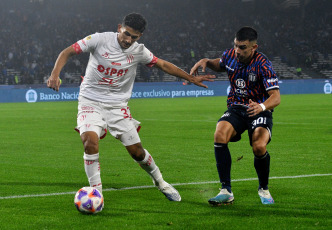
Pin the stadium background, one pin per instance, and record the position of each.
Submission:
(294, 34)
(41, 154)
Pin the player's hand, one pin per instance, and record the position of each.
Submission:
(202, 63)
(254, 108)
(198, 80)
(54, 82)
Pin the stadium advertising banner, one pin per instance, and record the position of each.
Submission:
(40, 93)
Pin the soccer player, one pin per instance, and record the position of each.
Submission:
(253, 95)
(106, 90)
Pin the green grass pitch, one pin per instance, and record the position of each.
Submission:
(42, 167)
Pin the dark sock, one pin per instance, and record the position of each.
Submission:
(262, 166)
(224, 162)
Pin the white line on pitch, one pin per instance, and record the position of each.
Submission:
(152, 186)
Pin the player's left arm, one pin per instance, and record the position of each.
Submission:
(272, 102)
(176, 71)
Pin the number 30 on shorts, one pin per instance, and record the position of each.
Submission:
(126, 113)
(258, 121)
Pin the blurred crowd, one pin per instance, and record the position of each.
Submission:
(34, 32)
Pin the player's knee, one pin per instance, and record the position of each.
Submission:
(90, 144)
(136, 151)
(259, 148)
(221, 137)
(139, 155)
(91, 147)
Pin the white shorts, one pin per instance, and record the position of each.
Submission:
(98, 116)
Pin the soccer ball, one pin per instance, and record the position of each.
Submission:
(89, 200)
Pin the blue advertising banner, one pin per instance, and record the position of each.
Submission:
(40, 93)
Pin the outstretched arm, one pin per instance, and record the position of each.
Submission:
(205, 62)
(53, 81)
(176, 71)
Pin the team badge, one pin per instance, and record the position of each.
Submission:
(130, 58)
(240, 83)
(252, 77)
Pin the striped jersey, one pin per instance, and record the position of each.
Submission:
(248, 81)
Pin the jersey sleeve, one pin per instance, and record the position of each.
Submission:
(87, 44)
(222, 61)
(270, 79)
(148, 58)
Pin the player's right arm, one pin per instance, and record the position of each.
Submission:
(53, 81)
(213, 64)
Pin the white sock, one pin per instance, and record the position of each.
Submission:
(152, 169)
(92, 170)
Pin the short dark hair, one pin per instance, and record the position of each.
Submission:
(135, 21)
(246, 33)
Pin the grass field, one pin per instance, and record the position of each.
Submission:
(42, 168)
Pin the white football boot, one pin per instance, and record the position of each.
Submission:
(169, 191)
(265, 196)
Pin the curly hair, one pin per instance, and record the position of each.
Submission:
(135, 21)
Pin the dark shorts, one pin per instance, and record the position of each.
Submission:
(237, 116)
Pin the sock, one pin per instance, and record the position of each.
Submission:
(152, 169)
(92, 170)
(224, 163)
(262, 166)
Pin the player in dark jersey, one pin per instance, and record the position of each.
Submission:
(253, 95)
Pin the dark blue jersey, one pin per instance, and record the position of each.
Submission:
(248, 81)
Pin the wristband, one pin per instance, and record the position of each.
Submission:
(263, 106)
